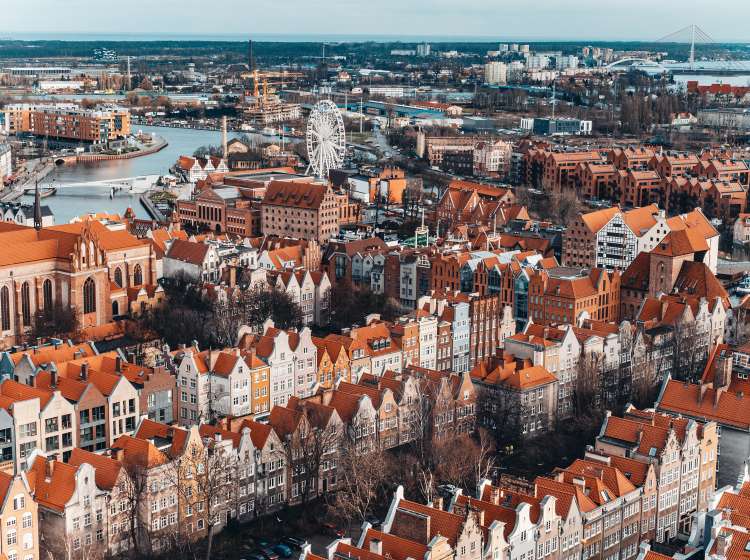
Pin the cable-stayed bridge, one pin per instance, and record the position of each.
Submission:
(693, 36)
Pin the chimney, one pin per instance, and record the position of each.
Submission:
(49, 468)
(224, 137)
(85, 371)
(495, 495)
(376, 547)
(118, 364)
(53, 375)
(723, 369)
(723, 542)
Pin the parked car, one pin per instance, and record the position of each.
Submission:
(333, 531)
(282, 550)
(268, 553)
(294, 542)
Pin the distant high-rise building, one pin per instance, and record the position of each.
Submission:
(524, 48)
(503, 47)
(496, 73)
(514, 47)
(423, 49)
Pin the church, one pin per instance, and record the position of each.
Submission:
(87, 266)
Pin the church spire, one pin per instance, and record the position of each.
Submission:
(37, 208)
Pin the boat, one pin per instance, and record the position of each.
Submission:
(744, 286)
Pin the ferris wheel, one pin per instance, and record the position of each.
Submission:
(326, 138)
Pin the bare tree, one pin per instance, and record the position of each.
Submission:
(500, 414)
(361, 479)
(306, 450)
(134, 492)
(465, 460)
(587, 392)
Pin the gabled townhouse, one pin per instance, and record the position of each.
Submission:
(459, 536)
(73, 509)
(191, 371)
(382, 349)
(452, 401)
(19, 518)
(192, 261)
(386, 409)
(518, 525)
(356, 352)
(680, 450)
(609, 503)
(555, 349)
(239, 499)
(717, 398)
(457, 312)
(310, 432)
(311, 290)
(260, 374)
(114, 483)
(90, 408)
(270, 464)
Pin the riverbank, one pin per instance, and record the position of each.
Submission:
(127, 155)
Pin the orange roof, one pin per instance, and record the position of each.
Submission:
(139, 452)
(16, 391)
(107, 469)
(681, 242)
(395, 547)
(56, 490)
(448, 525)
(151, 430)
(295, 194)
(682, 398)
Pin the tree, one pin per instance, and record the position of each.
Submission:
(587, 392)
(306, 449)
(226, 323)
(258, 304)
(465, 460)
(361, 481)
(350, 305)
(60, 321)
(135, 490)
(500, 414)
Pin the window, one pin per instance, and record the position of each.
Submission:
(118, 277)
(47, 293)
(19, 502)
(137, 275)
(25, 304)
(89, 296)
(11, 537)
(5, 308)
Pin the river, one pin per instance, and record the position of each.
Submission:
(74, 201)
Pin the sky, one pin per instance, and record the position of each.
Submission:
(724, 20)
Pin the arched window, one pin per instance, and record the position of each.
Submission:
(118, 277)
(5, 308)
(25, 304)
(115, 309)
(137, 275)
(89, 296)
(47, 289)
